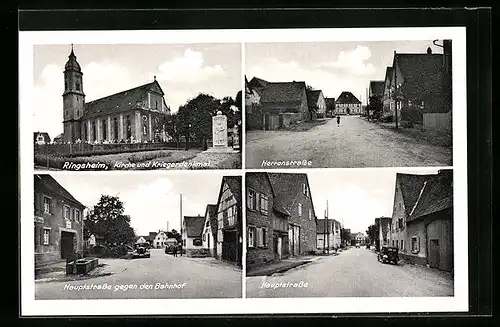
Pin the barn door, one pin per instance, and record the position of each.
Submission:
(434, 253)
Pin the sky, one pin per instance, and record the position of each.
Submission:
(183, 71)
(151, 200)
(356, 197)
(332, 67)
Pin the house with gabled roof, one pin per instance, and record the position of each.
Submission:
(388, 104)
(192, 235)
(58, 221)
(210, 230)
(429, 227)
(293, 192)
(229, 221)
(347, 104)
(135, 115)
(316, 102)
(327, 234)
(41, 138)
(267, 222)
(419, 80)
(281, 103)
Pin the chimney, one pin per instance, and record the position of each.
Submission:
(429, 50)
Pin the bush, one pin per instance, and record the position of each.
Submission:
(141, 157)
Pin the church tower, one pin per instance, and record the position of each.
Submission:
(73, 99)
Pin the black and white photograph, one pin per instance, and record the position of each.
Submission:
(348, 104)
(135, 236)
(137, 107)
(387, 233)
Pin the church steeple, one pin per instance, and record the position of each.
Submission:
(73, 98)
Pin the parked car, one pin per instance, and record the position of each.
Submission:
(388, 254)
(171, 245)
(141, 251)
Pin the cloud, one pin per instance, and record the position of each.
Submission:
(188, 68)
(331, 82)
(100, 79)
(354, 61)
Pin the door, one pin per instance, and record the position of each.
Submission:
(67, 247)
(279, 247)
(434, 253)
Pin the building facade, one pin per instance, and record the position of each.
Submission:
(388, 104)
(135, 115)
(229, 221)
(294, 193)
(422, 224)
(328, 234)
(267, 222)
(41, 138)
(58, 221)
(160, 240)
(348, 104)
(317, 104)
(192, 235)
(210, 230)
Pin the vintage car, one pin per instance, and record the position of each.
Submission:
(388, 254)
(171, 245)
(141, 251)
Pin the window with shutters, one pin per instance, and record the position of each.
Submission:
(251, 236)
(264, 204)
(66, 212)
(47, 204)
(46, 236)
(252, 201)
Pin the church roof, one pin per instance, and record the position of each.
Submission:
(123, 101)
(72, 63)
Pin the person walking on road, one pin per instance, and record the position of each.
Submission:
(174, 251)
(338, 121)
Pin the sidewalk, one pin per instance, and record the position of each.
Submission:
(280, 266)
(211, 261)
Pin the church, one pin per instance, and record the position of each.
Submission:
(133, 116)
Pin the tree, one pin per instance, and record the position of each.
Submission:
(174, 234)
(195, 117)
(345, 235)
(376, 106)
(172, 126)
(107, 219)
(372, 233)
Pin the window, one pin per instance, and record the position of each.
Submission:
(47, 204)
(144, 129)
(207, 224)
(261, 237)
(251, 237)
(300, 209)
(310, 214)
(264, 203)
(392, 242)
(251, 202)
(46, 236)
(66, 212)
(156, 104)
(77, 215)
(204, 237)
(415, 244)
(230, 215)
(402, 245)
(78, 86)
(197, 242)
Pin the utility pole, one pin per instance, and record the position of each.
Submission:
(327, 226)
(182, 239)
(395, 89)
(324, 233)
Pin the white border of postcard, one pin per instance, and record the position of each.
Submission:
(457, 303)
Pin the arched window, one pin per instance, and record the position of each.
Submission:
(104, 129)
(145, 129)
(77, 86)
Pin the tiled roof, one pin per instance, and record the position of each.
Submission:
(377, 88)
(257, 82)
(234, 183)
(286, 187)
(277, 206)
(415, 66)
(194, 225)
(410, 186)
(283, 92)
(152, 235)
(389, 73)
(120, 102)
(312, 97)
(212, 214)
(347, 97)
(49, 183)
(46, 136)
(436, 195)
